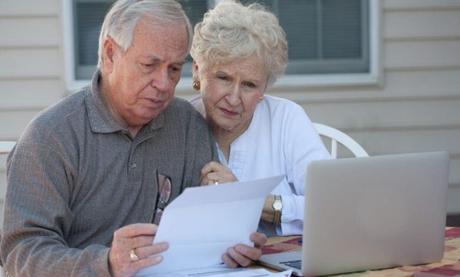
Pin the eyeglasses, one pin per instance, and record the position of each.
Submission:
(163, 194)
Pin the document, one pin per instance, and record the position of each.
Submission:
(202, 222)
(222, 271)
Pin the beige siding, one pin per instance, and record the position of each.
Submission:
(31, 66)
(31, 75)
(30, 63)
(29, 8)
(421, 25)
(30, 32)
(22, 94)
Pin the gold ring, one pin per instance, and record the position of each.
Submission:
(133, 256)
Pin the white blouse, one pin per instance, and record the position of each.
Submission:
(280, 140)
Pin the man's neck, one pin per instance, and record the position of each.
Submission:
(104, 88)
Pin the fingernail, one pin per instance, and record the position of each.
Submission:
(157, 259)
(239, 248)
(164, 245)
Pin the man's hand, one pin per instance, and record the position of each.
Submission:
(244, 255)
(215, 173)
(132, 249)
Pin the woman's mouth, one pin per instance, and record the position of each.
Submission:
(228, 112)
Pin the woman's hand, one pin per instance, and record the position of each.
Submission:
(268, 214)
(215, 173)
(244, 255)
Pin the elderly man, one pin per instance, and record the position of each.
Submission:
(90, 174)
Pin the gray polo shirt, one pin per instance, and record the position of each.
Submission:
(75, 176)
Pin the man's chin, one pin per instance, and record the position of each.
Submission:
(150, 115)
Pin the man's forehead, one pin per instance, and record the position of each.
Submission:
(160, 41)
(151, 24)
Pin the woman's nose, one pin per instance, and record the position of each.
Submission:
(234, 96)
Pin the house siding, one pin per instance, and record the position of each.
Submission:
(415, 108)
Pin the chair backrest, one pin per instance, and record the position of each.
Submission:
(339, 137)
(6, 146)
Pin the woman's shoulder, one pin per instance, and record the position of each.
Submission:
(277, 105)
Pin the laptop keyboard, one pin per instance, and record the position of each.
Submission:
(295, 264)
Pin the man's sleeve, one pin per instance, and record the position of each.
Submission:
(38, 217)
(201, 149)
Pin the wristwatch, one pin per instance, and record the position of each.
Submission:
(277, 206)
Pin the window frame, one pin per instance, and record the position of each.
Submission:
(372, 78)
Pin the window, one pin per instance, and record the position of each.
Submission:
(325, 37)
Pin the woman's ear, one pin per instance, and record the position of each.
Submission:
(195, 77)
(194, 68)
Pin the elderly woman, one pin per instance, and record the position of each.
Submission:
(238, 52)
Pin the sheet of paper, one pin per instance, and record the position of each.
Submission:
(203, 222)
(226, 272)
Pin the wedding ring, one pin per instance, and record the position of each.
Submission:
(216, 183)
(133, 256)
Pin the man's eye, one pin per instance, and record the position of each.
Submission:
(249, 84)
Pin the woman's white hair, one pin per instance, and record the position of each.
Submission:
(121, 20)
(232, 31)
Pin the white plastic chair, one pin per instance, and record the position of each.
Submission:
(6, 146)
(339, 137)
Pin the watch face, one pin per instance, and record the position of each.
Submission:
(277, 205)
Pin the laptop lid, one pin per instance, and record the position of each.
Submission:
(374, 212)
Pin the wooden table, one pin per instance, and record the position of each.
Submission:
(448, 266)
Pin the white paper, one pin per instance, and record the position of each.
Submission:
(225, 272)
(202, 222)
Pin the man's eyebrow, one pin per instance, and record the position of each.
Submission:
(181, 62)
(152, 58)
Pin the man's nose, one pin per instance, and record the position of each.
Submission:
(161, 79)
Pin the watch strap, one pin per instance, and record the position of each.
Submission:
(277, 206)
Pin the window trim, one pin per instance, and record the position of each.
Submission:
(373, 78)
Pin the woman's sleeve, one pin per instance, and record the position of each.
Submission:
(302, 145)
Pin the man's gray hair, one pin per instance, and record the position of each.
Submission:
(121, 20)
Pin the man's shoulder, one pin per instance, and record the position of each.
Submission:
(62, 109)
(182, 108)
(59, 114)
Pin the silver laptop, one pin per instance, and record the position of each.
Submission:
(371, 213)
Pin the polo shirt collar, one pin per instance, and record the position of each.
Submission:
(100, 117)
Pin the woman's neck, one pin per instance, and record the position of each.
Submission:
(225, 138)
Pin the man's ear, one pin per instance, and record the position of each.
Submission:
(109, 48)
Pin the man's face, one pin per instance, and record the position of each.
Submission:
(141, 80)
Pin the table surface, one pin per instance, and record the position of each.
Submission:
(448, 266)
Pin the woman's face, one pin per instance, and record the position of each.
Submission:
(231, 92)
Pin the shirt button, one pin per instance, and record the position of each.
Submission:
(133, 165)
